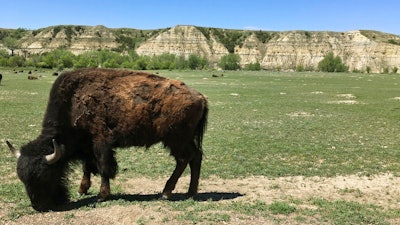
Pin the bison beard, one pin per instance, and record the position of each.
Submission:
(92, 111)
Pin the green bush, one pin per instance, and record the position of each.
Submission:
(299, 68)
(330, 63)
(368, 69)
(16, 61)
(253, 66)
(197, 62)
(230, 62)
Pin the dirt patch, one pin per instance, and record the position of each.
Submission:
(299, 114)
(346, 96)
(317, 92)
(346, 102)
(381, 190)
(347, 99)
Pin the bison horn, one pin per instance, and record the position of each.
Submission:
(56, 155)
(13, 150)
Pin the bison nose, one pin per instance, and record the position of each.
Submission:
(40, 208)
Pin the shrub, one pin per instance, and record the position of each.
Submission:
(16, 61)
(330, 63)
(394, 42)
(264, 36)
(386, 70)
(253, 66)
(230, 62)
(299, 68)
(196, 62)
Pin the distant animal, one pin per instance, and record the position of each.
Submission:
(32, 78)
(30, 72)
(92, 111)
(214, 75)
(55, 73)
(1, 77)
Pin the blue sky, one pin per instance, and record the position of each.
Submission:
(278, 15)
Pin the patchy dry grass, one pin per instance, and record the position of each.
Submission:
(277, 151)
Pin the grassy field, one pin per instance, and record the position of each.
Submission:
(266, 124)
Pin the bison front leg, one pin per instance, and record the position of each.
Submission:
(171, 183)
(85, 182)
(105, 190)
(107, 167)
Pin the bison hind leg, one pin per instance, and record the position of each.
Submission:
(171, 183)
(188, 154)
(195, 167)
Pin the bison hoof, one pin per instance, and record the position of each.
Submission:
(191, 193)
(82, 193)
(166, 195)
(100, 199)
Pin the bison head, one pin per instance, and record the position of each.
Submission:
(42, 176)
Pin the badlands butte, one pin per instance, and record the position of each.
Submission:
(286, 50)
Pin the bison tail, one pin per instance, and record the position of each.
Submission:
(200, 129)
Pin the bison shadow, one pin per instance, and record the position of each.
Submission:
(201, 197)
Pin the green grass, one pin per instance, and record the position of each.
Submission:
(260, 123)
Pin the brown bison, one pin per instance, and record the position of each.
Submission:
(92, 111)
(32, 78)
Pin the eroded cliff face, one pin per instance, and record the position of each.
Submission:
(283, 50)
(77, 39)
(291, 49)
(183, 40)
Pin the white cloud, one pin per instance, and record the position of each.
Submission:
(253, 28)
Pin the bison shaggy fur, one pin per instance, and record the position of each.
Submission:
(92, 111)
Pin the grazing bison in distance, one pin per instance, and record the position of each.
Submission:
(92, 111)
(1, 77)
(32, 78)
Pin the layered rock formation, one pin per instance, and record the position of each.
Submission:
(289, 50)
(183, 40)
(77, 39)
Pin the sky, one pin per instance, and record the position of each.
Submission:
(278, 15)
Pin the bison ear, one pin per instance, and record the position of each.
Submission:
(54, 157)
(14, 151)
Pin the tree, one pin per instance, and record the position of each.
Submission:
(180, 62)
(11, 43)
(66, 60)
(230, 62)
(196, 62)
(3, 57)
(16, 61)
(141, 63)
(330, 63)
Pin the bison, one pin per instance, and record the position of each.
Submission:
(92, 111)
(32, 78)
(1, 77)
